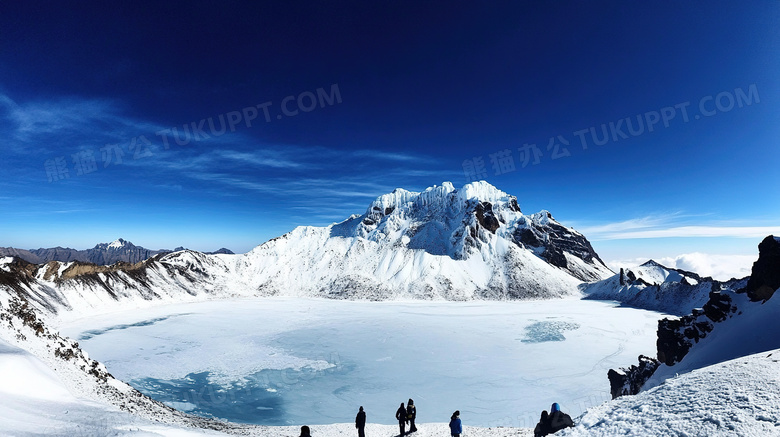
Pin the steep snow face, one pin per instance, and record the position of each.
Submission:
(739, 397)
(440, 220)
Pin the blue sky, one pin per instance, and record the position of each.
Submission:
(301, 114)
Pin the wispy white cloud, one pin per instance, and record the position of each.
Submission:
(50, 124)
(232, 164)
(676, 225)
(697, 231)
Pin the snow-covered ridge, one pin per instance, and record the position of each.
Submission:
(441, 243)
(656, 287)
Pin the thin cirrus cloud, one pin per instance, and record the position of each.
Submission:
(65, 126)
(57, 123)
(674, 225)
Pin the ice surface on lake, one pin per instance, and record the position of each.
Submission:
(292, 361)
(538, 332)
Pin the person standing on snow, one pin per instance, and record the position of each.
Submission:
(360, 422)
(411, 414)
(400, 414)
(456, 427)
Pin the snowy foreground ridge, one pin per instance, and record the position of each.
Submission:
(738, 397)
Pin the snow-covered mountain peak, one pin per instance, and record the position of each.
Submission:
(438, 240)
(118, 244)
(438, 196)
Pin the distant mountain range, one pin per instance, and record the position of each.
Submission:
(102, 254)
(441, 243)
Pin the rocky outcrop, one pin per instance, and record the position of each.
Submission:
(485, 216)
(677, 336)
(552, 241)
(765, 277)
(221, 251)
(629, 381)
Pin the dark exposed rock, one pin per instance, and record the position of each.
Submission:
(765, 276)
(485, 216)
(555, 256)
(556, 239)
(528, 237)
(677, 336)
(675, 339)
(513, 204)
(718, 307)
(629, 381)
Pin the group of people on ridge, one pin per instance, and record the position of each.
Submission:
(549, 423)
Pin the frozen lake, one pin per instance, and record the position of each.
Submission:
(284, 361)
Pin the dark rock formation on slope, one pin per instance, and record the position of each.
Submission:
(765, 278)
(554, 240)
(678, 336)
(628, 381)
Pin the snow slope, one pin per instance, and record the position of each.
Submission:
(751, 330)
(737, 397)
(34, 401)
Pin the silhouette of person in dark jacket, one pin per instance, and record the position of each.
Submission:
(411, 414)
(360, 423)
(400, 414)
(552, 423)
(305, 432)
(543, 427)
(558, 419)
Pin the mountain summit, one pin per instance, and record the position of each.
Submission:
(472, 242)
